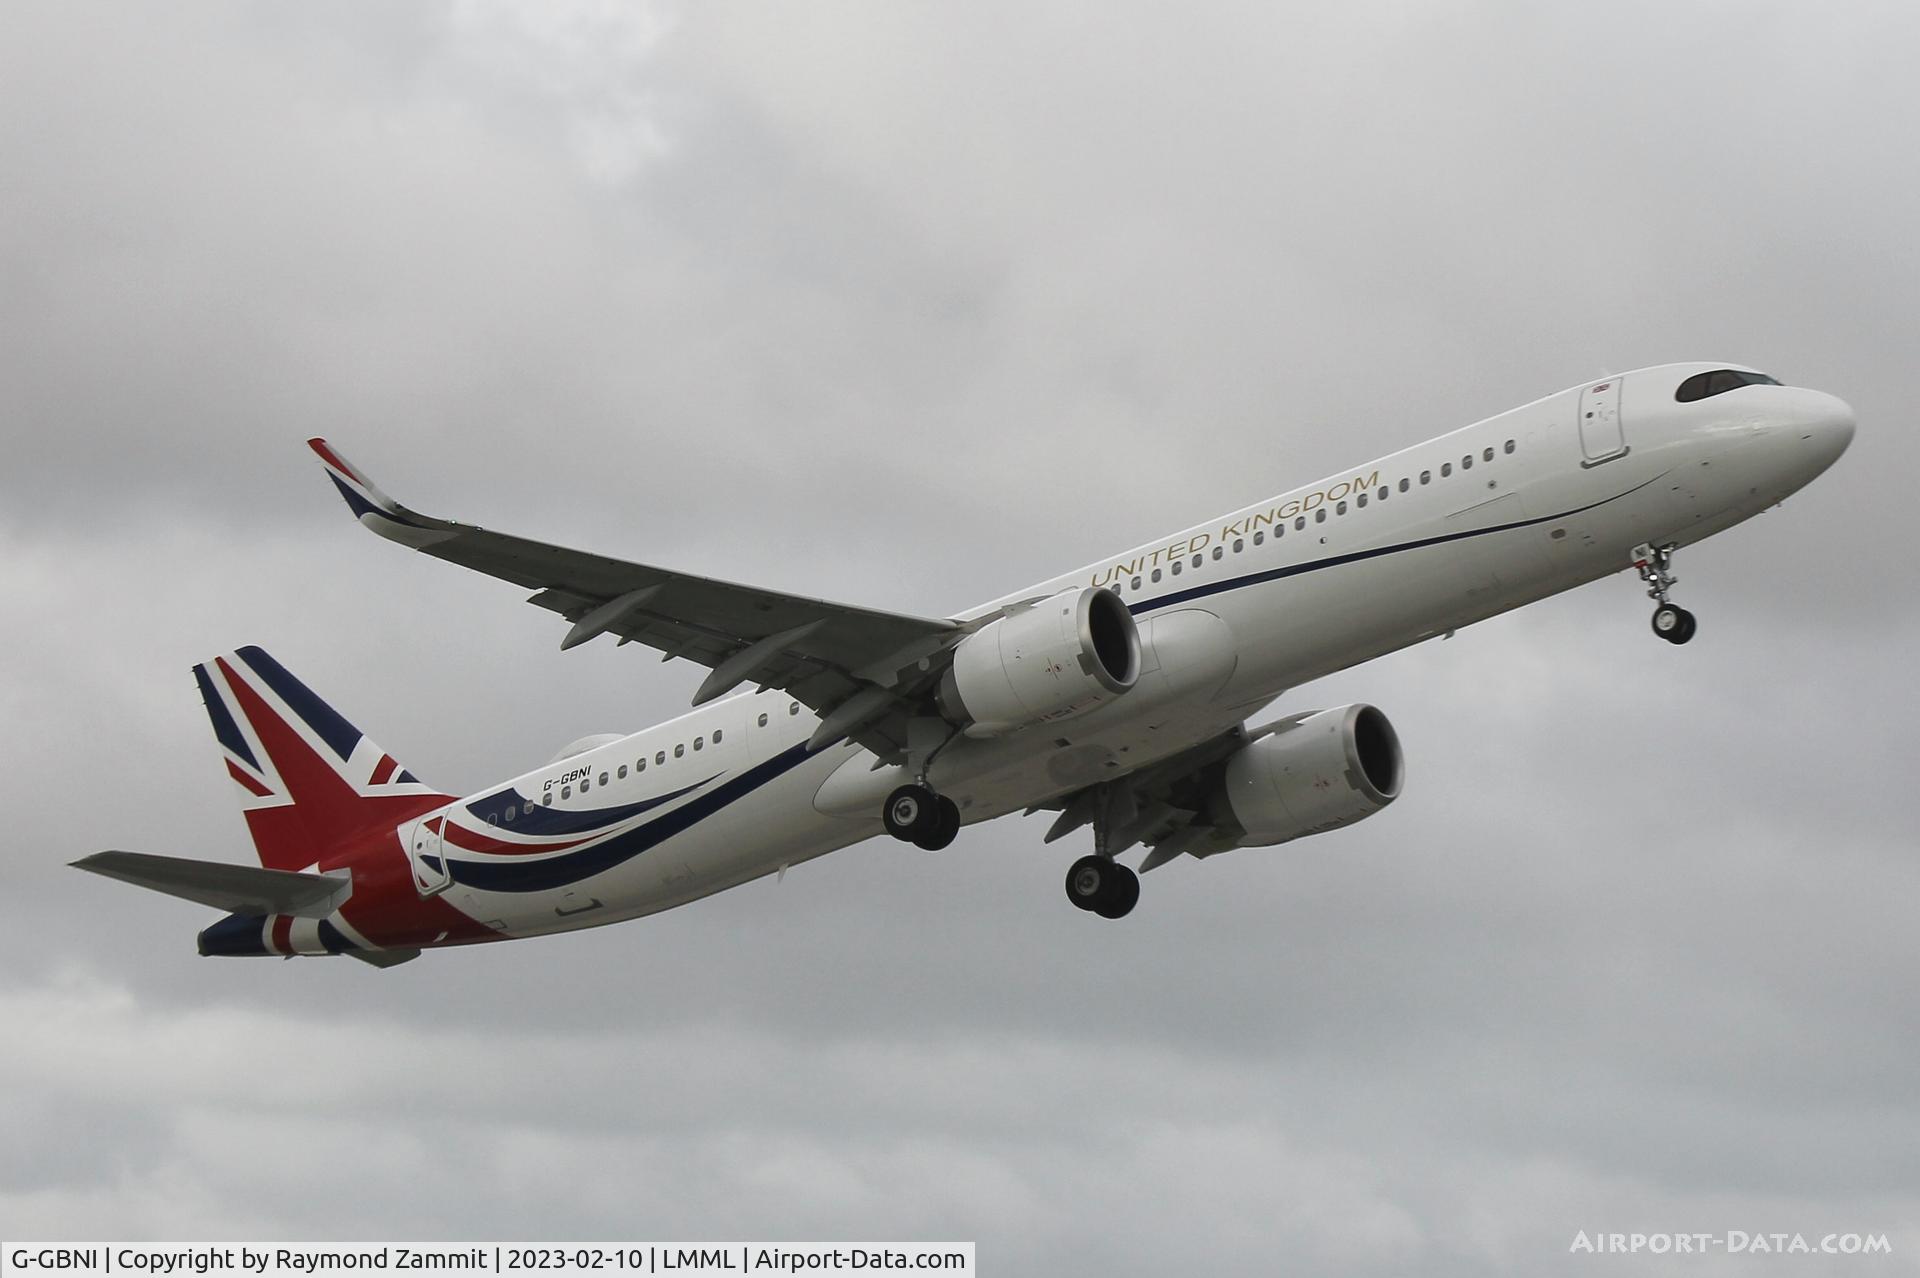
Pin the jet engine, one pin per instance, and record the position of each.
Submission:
(1060, 657)
(1329, 769)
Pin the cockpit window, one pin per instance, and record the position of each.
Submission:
(1719, 382)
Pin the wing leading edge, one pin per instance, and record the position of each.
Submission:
(828, 656)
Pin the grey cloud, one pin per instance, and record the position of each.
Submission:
(909, 307)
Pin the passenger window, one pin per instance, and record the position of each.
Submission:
(1426, 476)
(680, 751)
(491, 819)
(1177, 566)
(716, 736)
(512, 811)
(566, 792)
(1300, 524)
(528, 810)
(660, 756)
(640, 765)
(1383, 494)
(1509, 446)
(1238, 545)
(1486, 455)
(1156, 574)
(1219, 552)
(623, 772)
(793, 708)
(1446, 469)
(1136, 583)
(1405, 484)
(1361, 499)
(1279, 531)
(546, 800)
(1341, 509)
(1466, 463)
(699, 743)
(1259, 539)
(1320, 515)
(603, 778)
(586, 784)
(763, 721)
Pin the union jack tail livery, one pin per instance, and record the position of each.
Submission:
(310, 783)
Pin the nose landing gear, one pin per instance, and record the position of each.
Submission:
(1670, 621)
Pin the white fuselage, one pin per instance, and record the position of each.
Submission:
(1232, 612)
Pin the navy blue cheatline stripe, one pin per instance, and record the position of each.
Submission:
(544, 820)
(319, 716)
(509, 875)
(332, 940)
(1335, 561)
(225, 730)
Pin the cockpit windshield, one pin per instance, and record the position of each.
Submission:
(1719, 382)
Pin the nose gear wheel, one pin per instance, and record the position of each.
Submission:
(1670, 621)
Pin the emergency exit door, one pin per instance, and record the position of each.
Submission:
(1601, 436)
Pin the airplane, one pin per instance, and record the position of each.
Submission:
(1117, 696)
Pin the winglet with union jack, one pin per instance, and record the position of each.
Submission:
(374, 508)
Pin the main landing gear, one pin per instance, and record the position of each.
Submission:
(1103, 885)
(915, 814)
(1670, 621)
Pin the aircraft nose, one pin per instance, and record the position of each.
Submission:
(1825, 422)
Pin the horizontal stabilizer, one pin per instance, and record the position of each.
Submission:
(240, 889)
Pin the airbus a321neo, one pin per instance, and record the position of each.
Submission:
(1116, 695)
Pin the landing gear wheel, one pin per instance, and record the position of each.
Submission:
(1123, 894)
(1674, 623)
(912, 813)
(1102, 885)
(942, 834)
(1670, 621)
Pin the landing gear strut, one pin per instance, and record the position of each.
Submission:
(1670, 621)
(1102, 885)
(915, 814)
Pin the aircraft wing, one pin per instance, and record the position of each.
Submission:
(238, 889)
(860, 669)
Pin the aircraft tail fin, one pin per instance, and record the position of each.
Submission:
(309, 782)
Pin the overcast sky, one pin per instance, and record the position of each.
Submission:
(912, 305)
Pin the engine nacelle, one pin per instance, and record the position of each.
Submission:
(1328, 770)
(1061, 657)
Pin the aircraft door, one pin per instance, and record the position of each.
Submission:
(427, 855)
(1601, 436)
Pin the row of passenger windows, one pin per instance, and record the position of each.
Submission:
(1319, 516)
(639, 766)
